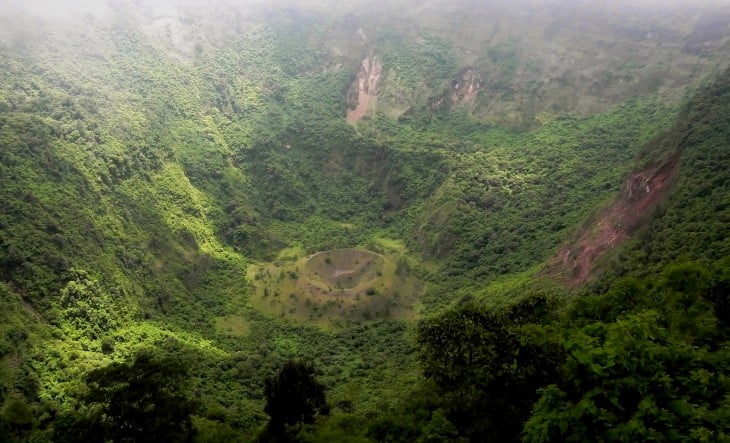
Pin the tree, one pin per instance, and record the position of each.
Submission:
(487, 369)
(142, 402)
(631, 380)
(293, 397)
(655, 369)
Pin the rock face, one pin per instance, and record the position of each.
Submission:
(364, 91)
(640, 194)
(466, 86)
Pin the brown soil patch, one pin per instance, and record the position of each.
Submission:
(365, 93)
(466, 86)
(640, 194)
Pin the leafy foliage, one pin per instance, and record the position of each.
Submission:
(293, 397)
(141, 176)
(142, 401)
(646, 375)
(693, 222)
(487, 370)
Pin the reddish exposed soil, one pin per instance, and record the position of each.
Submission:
(639, 195)
(465, 87)
(366, 92)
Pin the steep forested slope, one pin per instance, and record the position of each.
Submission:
(163, 190)
(628, 359)
(693, 223)
(686, 162)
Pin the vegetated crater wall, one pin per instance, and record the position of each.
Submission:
(640, 194)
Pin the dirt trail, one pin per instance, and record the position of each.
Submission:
(640, 194)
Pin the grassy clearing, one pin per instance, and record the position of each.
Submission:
(291, 253)
(344, 269)
(391, 244)
(336, 287)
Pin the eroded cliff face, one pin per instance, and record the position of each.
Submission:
(640, 194)
(521, 70)
(463, 91)
(363, 94)
(466, 86)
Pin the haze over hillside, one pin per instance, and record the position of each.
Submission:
(438, 221)
(528, 60)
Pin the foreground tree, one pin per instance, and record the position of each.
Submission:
(631, 380)
(656, 372)
(487, 369)
(293, 397)
(144, 401)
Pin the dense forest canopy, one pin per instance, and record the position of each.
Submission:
(364, 221)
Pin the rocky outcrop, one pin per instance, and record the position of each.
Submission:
(640, 194)
(364, 91)
(466, 86)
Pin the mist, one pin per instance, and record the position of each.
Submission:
(58, 11)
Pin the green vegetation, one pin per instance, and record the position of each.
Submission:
(189, 227)
(294, 397)
(142, 401)
(415, 69)
(335, 287)
(632, 364)
(691, 223)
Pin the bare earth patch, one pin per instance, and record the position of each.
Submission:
(640, 194)
(364, 93)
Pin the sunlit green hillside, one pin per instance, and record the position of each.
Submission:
(413, 204)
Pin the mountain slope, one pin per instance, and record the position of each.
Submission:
(169, 185)
(689, 163)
